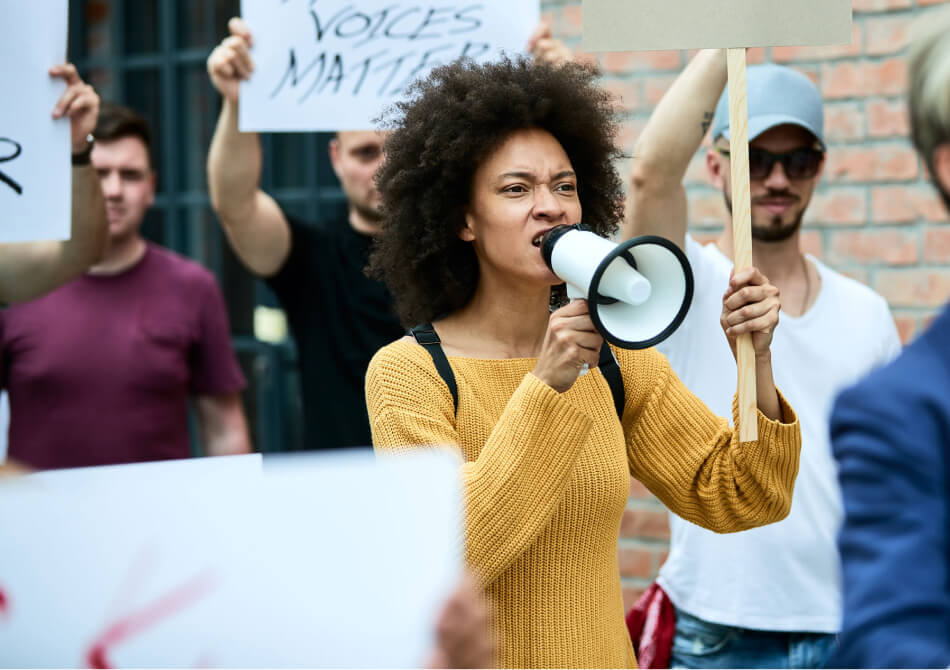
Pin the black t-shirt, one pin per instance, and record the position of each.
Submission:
(339, 318)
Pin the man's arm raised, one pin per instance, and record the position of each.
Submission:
(657, 201)
(254, 223)
(30, 269)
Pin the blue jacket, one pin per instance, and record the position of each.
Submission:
(891, 437)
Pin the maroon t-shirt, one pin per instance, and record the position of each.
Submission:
(100, 370)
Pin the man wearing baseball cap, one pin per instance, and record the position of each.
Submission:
(768, 597)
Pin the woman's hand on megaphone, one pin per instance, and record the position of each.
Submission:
(750, 305)
(570, 343)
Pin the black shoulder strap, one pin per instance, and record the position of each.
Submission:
(426, 336)
(611, 372)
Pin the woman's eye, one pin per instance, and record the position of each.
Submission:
(515, 188)
(566, 187)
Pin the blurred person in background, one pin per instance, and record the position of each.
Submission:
(338, 316)
(891, 438)
(101, 370)
(767, 597)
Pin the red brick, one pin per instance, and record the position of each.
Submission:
(811, 243)
(630, 596)
(913, 287)
(755, 55)
(621, 62)
(888, 119)
(635, 562)
(708, 208)
(571, 22)
(905, 204)
(645, 523)
(817, 53)
(879, 163)
(628, 93)
(892, 247)
(844, 121)
(853, 80)
(838, 205)
(656, 87)
(886, 35)
(937, 245)
(639, 491)
(696, 173)
(907, 326)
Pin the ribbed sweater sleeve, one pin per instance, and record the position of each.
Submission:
(693, 461)
(513, 487)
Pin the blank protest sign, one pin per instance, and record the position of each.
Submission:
(35, 177)
(337, 64)
(331, 560)
(654, 25)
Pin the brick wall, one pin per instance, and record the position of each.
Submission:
(874, 217)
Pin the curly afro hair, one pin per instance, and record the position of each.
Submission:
(451, 122)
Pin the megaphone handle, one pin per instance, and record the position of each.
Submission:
(742, 232)
(574, 293)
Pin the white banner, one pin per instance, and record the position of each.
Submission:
(337, 64)
(35, 177)
(340, 560)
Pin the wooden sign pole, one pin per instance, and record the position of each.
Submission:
(742, 232)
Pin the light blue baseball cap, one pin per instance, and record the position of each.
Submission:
(778, 95)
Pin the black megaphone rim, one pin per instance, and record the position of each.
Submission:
(593, 298)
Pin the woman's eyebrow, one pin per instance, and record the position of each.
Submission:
(530, 175)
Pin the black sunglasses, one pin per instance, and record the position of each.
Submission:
(798, 164)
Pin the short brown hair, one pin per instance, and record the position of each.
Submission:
(116, 122)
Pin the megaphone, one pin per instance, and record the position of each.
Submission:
(638, 292)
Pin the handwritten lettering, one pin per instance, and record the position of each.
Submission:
(17, 150)
(336, 63)
(330, 73)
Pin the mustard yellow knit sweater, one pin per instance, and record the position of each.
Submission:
(546, 479)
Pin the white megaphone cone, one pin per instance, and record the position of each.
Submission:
(638, 292)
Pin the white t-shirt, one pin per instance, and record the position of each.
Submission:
(784, 576)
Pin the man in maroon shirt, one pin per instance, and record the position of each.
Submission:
(100, 370)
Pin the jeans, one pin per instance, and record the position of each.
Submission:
(701, 644)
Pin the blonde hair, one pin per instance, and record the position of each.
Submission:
(930, 83)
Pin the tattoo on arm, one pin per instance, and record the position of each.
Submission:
(707, 121)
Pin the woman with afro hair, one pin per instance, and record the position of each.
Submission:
(483, 160)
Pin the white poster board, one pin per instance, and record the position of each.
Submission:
(35, 176)
(318, 561)
(337, 64)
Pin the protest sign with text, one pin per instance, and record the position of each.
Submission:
(35, 177)
(337, 64)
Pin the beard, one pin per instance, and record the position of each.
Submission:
(368, 212)
(776, 230)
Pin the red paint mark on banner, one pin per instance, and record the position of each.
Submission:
(4, 604)
(136, 622)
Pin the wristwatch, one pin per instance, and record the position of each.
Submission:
(83, 157)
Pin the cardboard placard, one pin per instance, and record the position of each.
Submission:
(654, 25)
